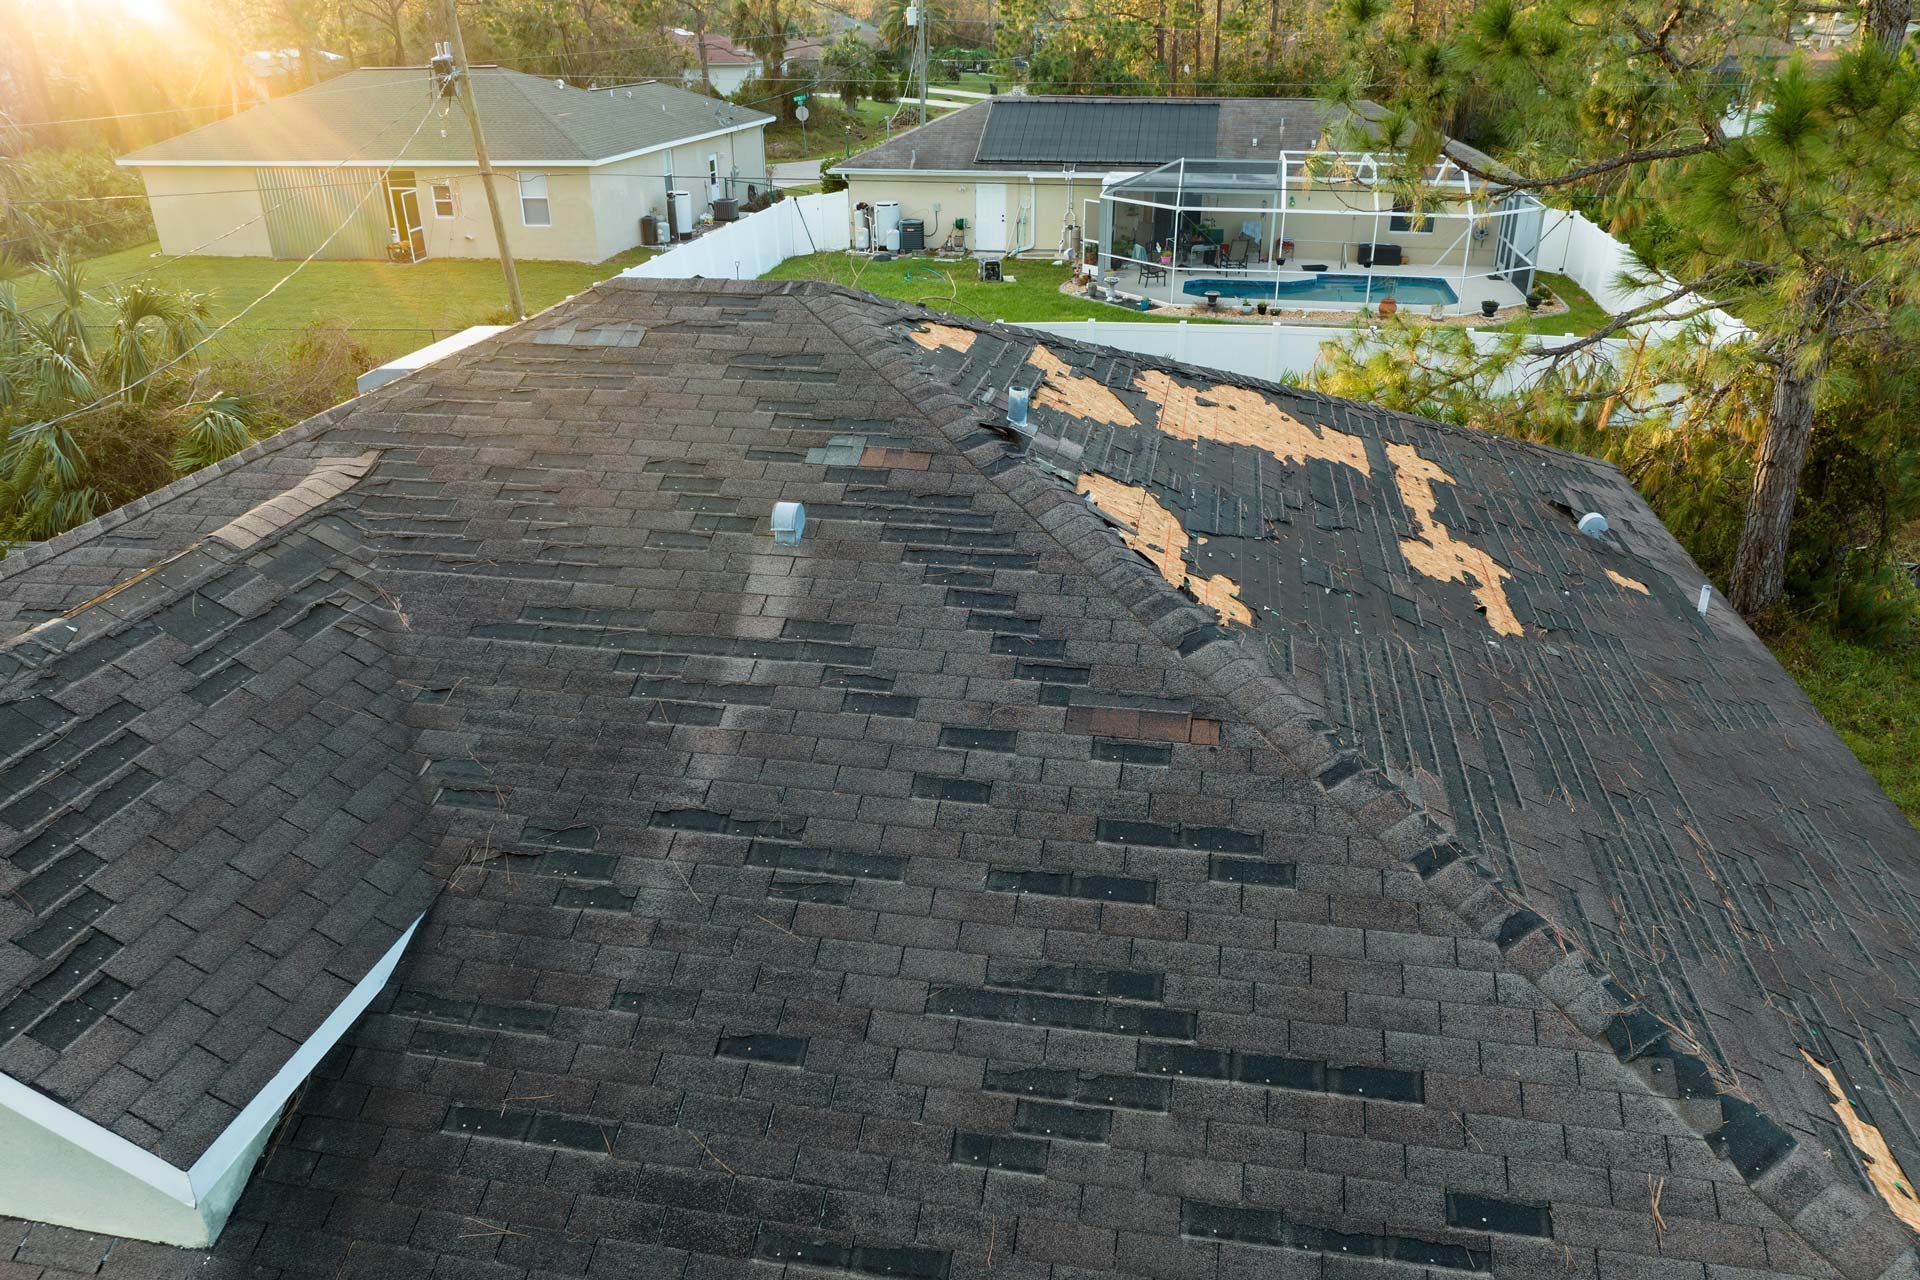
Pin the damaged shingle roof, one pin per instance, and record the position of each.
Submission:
(949, 895)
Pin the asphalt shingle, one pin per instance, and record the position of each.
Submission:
(732, 967)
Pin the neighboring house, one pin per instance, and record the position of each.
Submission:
(271, 71)
(730, 66)
(1254, 183)
(576, 168)
(1189, 828)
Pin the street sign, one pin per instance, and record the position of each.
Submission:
(801, 114)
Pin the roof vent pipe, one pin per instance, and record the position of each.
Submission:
(1017, 407)
(1706, 597)
(789, 523)
(1593, 524)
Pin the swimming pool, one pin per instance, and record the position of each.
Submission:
(1411, 291)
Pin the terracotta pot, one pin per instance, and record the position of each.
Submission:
(1388, 306)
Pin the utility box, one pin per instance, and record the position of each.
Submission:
(913, 235)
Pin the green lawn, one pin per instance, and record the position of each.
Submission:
(1583, 314)
(1870, 696)
(1031, 293)
(390, 309)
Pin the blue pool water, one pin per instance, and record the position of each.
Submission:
(1411, 291)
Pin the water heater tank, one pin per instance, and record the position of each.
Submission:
(886, 225)
(682, 202)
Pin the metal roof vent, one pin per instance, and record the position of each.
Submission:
(1017, 398)
(1706, 597)
(789, 522)
(1593, 524)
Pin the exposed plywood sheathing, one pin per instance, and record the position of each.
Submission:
(1241, 415)
(1159, 536)
(1068, 391)
(950, 336)
(1435, 552)
(1883, 1171)
(1631, 584)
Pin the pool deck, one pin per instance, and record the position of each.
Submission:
(1170, 292)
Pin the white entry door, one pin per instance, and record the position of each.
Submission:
(990, 217)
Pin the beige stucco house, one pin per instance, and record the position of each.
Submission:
(372, 165)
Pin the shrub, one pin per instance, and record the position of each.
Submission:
(49, 206)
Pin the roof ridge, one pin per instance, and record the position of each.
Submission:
(1854, 1233)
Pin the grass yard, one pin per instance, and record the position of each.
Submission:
(389, 308)
(1032, 292)
(1870, 696)
(1583, 314)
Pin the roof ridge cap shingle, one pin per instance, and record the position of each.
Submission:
(1854, 1233)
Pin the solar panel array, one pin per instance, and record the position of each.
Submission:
(1099, 132)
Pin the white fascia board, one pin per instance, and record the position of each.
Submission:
(979, 175)
(130, 163)
(189, 1187)
(265, 1106)
(71, 1126)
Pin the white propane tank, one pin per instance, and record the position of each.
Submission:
(886, 225)
(682, 212)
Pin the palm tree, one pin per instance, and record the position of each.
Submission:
(87, 423)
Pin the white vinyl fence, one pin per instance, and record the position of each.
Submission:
(1575, 247)
(1272, 351)
(757, 243)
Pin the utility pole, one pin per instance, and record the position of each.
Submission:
(917, 15)
(451, 69)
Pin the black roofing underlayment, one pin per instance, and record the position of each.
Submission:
(947, 895)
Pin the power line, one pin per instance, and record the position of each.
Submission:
(434, 175)
(263, 214)
(159, 369)
(315, 91)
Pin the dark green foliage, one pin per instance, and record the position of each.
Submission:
(52, 202)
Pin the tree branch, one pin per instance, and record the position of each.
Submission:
(1500, 184)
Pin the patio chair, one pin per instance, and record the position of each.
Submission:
(1237, 252)
(1149, 269)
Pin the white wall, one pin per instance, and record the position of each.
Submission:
(757, 243)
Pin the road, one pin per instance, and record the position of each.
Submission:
(796, 173)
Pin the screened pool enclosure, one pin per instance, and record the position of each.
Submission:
(1314, 229)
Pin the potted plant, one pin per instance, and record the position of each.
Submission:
(1488, 306)
(1388, 306)
(1246, 306)
(1534, 298)
(1262, 308)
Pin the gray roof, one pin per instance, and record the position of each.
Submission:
(367, 115)
(1246, 129)
(951, 894)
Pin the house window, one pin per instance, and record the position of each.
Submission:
(1405, 219)
(443, 199)
(533, 201)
